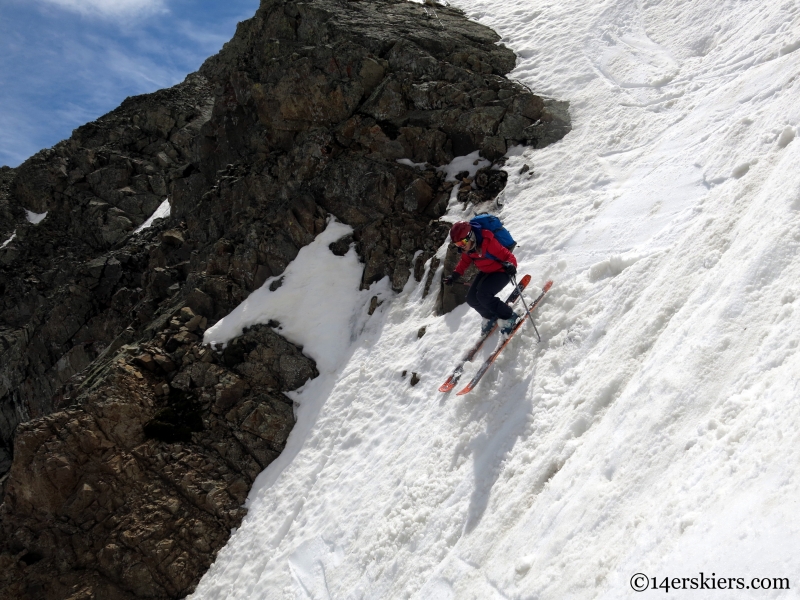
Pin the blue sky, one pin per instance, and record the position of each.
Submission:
(66, 62)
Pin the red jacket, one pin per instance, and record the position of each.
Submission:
(488, 244)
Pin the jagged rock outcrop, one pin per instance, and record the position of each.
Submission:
(64, 297)
(104, 499)
(133, 445)
(7, 211)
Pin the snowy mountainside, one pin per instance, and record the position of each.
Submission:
(654, 429)
(312, 112)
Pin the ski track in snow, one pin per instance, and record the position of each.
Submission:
(655, 428)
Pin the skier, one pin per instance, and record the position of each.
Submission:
(497, 265)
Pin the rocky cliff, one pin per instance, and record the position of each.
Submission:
(127, 448)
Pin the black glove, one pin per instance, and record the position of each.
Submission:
(451, 279)
(510, 269)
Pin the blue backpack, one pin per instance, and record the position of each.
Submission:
(495, 225)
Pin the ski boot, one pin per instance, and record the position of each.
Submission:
(487, 325)
(507, 325)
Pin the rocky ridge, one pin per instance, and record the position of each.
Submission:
(134, 445)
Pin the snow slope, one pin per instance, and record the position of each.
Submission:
(655, 428)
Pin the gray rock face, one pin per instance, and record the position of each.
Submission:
(69, 284)
(133, 445)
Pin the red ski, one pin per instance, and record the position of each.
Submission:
(485, 367)
(459, 370)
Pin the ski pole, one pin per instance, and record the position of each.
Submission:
(521, 297)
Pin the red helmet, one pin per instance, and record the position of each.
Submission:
(459, 231)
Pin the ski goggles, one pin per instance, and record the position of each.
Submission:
(465, 242)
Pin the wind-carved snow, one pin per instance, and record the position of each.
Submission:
(10, 239)
(469, 163)
(162, 212)
(33, 217)
(410, 163)
(654, 429)
(315, 304)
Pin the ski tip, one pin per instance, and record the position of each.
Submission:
(547, 285)
(447, 386)
(466, 390)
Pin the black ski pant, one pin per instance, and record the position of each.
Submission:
(482, 292)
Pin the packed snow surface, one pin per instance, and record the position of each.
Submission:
(655, 428)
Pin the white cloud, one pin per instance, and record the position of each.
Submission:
(111, 8)
(66, 62)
